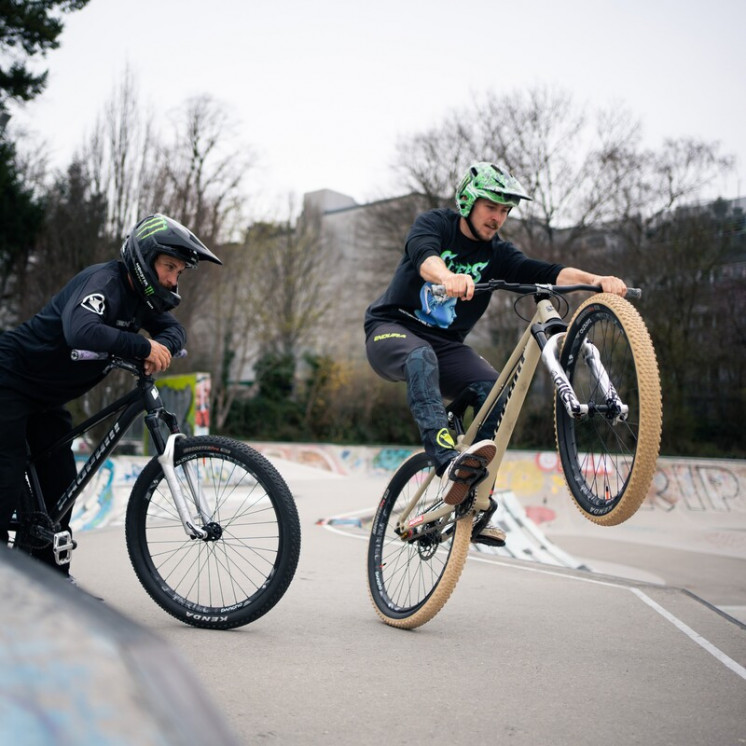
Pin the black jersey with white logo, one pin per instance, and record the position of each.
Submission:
(97, 310)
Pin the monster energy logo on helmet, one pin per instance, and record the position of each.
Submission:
(488, 181)
(151, 225)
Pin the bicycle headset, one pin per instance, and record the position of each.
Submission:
(154, 235)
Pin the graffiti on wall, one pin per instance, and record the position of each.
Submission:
(694, 486)
(697, 485)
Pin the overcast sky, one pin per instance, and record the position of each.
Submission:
(324, 88)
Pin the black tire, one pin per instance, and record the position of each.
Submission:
(609, 463)
(244, 569)
(410, 582)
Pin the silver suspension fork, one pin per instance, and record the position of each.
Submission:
(576, 410)
(613, 402)
(166, 460)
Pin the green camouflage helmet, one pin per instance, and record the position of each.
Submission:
(490, 182)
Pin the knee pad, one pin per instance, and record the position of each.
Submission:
(421, 363)
(421, 372)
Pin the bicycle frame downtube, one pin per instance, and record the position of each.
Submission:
(515, 380)
(95, 460)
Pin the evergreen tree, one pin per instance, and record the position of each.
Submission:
(28, 28)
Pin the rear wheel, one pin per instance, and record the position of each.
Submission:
(245, 564)
(410, 580)
(609, 458)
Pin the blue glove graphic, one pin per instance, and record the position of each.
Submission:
(436, 310)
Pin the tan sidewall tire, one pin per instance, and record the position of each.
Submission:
(651, 410)
(446, 584)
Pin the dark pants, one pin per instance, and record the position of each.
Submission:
(432, 367)
(21, 420)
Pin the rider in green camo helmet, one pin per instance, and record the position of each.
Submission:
(490, 182)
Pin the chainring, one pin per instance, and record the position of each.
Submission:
(25, 540)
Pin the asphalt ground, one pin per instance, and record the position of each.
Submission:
(522, 652)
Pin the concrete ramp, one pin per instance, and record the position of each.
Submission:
(525, 540)
(75, 672)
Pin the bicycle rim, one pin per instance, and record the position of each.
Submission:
(410, 582)
(609, 464)
(242, 570)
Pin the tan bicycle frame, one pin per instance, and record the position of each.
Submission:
(518, 370)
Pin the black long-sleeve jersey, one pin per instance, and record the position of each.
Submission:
(436, 233)
(97, 310)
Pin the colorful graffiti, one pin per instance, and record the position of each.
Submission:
(104, 500)
(536, 478)
(705, 487)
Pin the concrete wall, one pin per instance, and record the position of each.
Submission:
(694, 502)
(74, 672)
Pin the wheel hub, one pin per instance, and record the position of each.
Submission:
(214, 531)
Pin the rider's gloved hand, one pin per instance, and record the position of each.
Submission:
(159, 358)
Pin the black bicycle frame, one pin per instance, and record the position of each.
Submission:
(144, 398)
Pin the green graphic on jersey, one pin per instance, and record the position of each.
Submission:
(444, 439)
(153, 225)
(459, 268)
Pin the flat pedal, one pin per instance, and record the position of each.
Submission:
(62, 546)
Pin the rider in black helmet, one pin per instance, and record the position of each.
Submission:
(103, 309)
(155, 235)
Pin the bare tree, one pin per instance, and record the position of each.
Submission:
(119, 156)
(71, 238)
(295, 294)
(431, 163)
(661, 181)
(195, 177)
(200, 173)
(273, 300)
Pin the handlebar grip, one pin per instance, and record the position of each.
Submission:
(88, 355)
(633, 293)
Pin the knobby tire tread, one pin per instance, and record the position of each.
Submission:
(650, 410)
(286, 514)
(454, 565)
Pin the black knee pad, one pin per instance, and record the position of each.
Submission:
(421, 372)
(421, 361)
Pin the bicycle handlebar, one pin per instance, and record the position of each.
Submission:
(82, 355)
(528, 289)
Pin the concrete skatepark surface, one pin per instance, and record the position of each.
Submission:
(533, 652)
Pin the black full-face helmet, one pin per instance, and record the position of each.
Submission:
(154, 235)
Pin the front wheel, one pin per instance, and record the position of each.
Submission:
(410, 580)
(609, 457)
(245, 564)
